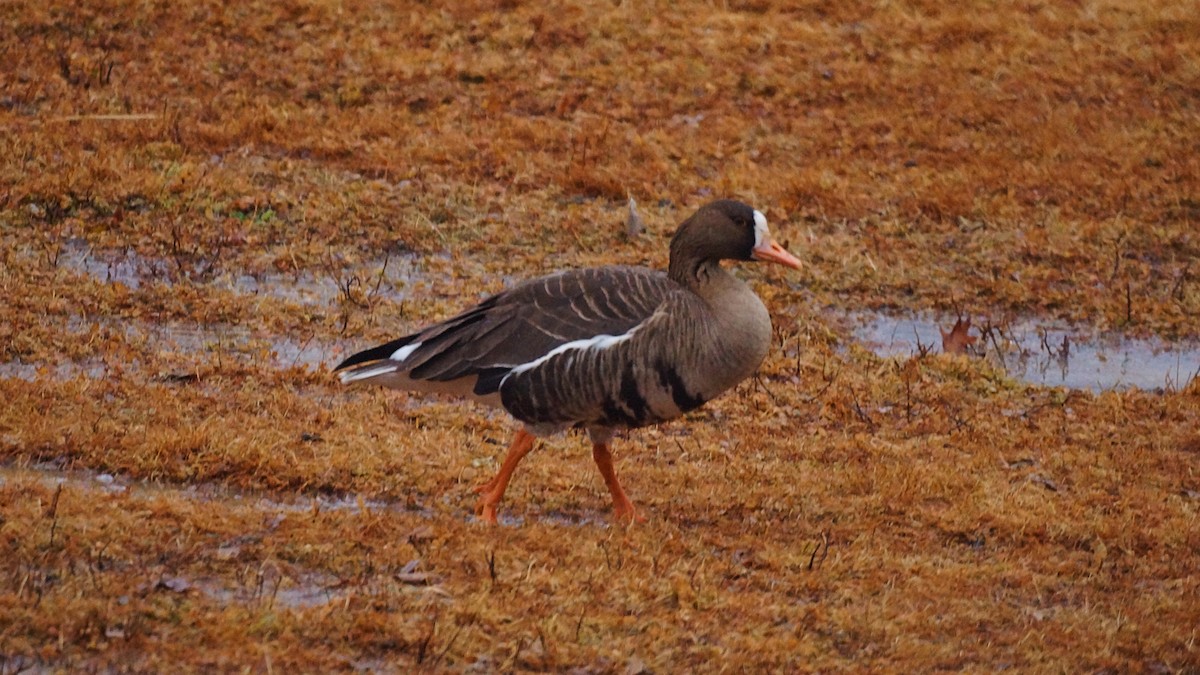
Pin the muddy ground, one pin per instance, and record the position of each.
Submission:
(204, 206)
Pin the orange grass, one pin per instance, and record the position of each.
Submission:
(840, 512)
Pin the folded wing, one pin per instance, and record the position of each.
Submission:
(471, 353)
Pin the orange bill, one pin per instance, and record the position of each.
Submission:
(771, 251)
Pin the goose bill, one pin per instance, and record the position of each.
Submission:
(771, 251)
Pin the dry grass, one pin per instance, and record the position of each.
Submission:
(842, 513)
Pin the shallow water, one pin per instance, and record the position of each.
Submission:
(19, 370)
(1039, 352)
(190, 344)
(1043, 353)
(302, 591)
(207, 342)
(121, 267)
(388, 278)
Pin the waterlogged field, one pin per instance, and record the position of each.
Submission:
(203, 207)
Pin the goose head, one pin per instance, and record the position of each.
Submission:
(724, 230)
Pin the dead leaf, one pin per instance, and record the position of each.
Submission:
(414, 578)
(636, 666)
(438, 591)
(1044, 482)
(633, 224)
(176, 584)
(421, 533)
(957, 340)
(409, 574)
(228, 552)
(1099, 555)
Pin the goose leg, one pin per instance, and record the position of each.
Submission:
(493, 491)
(622, 507)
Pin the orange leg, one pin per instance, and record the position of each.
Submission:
(493, 490)
(622, 507)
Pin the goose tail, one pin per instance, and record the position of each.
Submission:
(377, 361)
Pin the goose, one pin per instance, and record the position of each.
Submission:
(601, 349)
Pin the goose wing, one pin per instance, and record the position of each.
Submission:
(472, 352)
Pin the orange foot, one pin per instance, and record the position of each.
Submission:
(622, 508)
(485, 487)
(625, 513)
(493, 490)
(485, 509)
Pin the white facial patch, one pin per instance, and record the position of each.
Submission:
(761, 233)
(405, 351)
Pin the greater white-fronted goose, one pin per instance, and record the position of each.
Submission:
(599, 349)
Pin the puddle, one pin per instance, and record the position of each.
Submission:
(27, 665)
(301, 591)
(110, 267)
(393, 278)
(218, 341)
(184, 345)
(1046, 354)
(181, 345)
(311, 354)
(47, 474)
(17, 370)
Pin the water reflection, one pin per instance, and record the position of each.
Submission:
(1042, 353)
(391, 277)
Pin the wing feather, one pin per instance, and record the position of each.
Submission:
(481, 345)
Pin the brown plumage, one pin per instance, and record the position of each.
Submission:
(599, 349)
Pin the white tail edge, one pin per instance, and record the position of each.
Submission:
(367, 373)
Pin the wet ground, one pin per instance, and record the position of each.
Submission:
(273, 505)
(390, 277)
(193, 231)
(241, 572)
(1033, 350)
(1040, 352)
